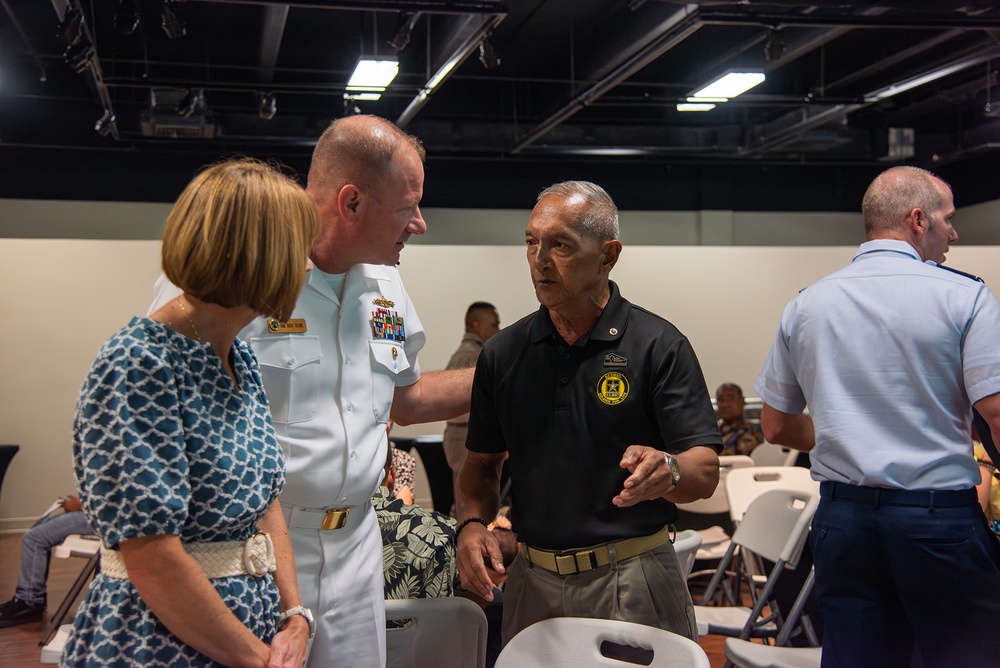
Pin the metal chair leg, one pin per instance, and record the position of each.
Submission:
(60, 615)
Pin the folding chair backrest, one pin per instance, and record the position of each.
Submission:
(452, 630)
(746, 484)
(575, 642)
(717, 503)
(776, 525)
(686, 546)
(772, 454)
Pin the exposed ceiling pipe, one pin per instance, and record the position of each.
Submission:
(462, 42)
(784, 131)
(894, 59)
(664, 36)
(270, 40)
(833, 20)
(457, 7)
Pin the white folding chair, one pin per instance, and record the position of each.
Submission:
(746, 484)
(715, 541)
(576, 642)
(772, 454)
(774, 527)
(447, 632)
(747, 654)
(75, 545)
(686, 545)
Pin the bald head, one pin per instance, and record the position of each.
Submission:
(894, 194)
(361, 150)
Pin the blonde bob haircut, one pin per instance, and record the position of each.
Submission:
(239, 235)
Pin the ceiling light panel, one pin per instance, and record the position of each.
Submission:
(730, 85)
(373, 73)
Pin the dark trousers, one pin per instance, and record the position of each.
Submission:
(892, 578)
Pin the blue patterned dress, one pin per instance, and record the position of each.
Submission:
(164, 443)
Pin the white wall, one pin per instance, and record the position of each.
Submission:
(61, 298)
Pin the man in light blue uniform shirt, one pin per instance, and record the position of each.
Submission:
(890, 354)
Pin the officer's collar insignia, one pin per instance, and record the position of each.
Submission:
(614, 359)
(383, 302)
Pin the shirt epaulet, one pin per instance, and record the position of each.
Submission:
(961, 273)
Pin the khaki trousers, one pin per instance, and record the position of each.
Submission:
(648, 589)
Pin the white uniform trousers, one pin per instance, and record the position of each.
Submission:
(340, 580)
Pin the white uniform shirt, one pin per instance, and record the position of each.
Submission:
(331, 387)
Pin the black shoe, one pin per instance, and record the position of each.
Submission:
(16, 611)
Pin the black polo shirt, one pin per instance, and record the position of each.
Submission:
(566, 414)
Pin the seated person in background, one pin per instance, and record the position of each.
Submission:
(418, 546)
(28, 604)
(739, 435)
(988, 490)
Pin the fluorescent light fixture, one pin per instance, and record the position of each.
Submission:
(609, 151)
(708, 99)
(695, 106)
(373, 73)
(730, 85)
(363, 96)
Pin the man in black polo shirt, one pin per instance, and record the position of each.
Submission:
(604, 411)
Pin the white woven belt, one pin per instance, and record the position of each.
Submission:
(253, 557)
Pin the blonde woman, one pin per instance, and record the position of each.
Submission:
(175, 456)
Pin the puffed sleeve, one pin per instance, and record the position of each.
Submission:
(128, 446)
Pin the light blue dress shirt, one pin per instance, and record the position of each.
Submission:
(889, 353)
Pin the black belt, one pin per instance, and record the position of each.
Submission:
(883, 496)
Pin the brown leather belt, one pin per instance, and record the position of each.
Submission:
(570, 562)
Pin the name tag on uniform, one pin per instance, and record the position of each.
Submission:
(293, 326)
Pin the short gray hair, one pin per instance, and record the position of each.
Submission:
(894, 193)
(600, 219)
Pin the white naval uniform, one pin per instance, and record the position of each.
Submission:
(330, 390)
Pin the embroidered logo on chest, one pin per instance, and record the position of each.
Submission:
(614, 359)
(612, 388)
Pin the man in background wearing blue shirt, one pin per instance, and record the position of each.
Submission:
(890, 354)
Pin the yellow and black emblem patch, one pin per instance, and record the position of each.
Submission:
(612, 388)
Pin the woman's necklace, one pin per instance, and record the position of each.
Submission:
(190, 319)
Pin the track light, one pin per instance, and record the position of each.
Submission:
(488, 55)
(402, 36)
(79, 55)
(126, 17)
(172, 24)
(190, 103)
(774, 47)
(103, 125)
(268, 106)
(71, 27)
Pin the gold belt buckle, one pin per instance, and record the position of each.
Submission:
(335, 518)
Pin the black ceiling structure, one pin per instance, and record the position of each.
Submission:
(126, 99)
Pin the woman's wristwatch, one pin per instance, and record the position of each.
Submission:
(298, 610)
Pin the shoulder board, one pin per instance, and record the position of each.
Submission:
(961, 273)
